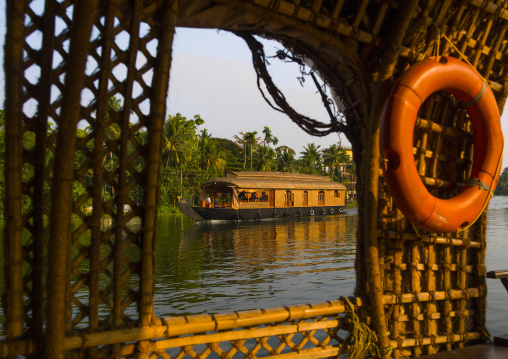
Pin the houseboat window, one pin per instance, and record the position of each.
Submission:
(321, 198)
(289, 199)
(305, 198)
(262, 196)
(247, 197)
(337, 193)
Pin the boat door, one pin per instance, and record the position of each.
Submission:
(271, 198)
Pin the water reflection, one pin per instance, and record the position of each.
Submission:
(220, 267)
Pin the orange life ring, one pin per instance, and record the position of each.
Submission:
(396, 139)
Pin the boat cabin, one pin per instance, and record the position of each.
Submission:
(251, 189)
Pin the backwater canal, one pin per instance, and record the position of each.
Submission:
(223, 267)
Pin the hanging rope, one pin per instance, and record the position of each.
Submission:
(362, 339)
(309, 125)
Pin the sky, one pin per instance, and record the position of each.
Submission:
(212, 75)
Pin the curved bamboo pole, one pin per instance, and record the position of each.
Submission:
(160, 85)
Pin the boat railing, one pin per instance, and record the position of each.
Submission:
(222, 205)
(254, 205)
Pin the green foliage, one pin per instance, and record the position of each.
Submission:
(191, 155)
(502, 186)
(335, 156)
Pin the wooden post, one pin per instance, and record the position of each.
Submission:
(372, 171)
(13, 299)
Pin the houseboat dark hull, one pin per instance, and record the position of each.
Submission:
(230, 214)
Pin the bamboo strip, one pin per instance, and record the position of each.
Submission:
(324, 22)
(99, 132)
(122, 192)
(430, 308)
(316, 5)
(450, 294)
(205, 322)
(440, 339)
(436, 267)
(416, 289)
(442, 129)
(397, 326)
(245, 334)
(443, 11)
(491, 8)
(495, 49)
(312, 353)
(462, 285)
(452, 28)
(432, 317)
(481, 43)
(380, 18)
(39, 231)
(429, 239)
(337, 9)
(360, 12)
(447, 307)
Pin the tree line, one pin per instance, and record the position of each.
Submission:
(502, 186)
(192, 155)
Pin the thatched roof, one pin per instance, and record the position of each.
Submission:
(273, 180)
(276, 175)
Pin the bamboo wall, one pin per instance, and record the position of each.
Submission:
(86, 290)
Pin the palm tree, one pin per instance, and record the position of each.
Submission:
(286, 159)
(312, 157)
(198, 121)
(212, 156)
(205, 135)
(268, 136)
(335, 156)
(242, 143)
(252, 141)
(264, 159)
(179, 137)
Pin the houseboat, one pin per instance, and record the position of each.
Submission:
(263, 195)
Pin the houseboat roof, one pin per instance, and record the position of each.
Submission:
(276, 175)
(273, 180)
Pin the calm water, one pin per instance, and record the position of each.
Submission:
(233, 266)
(221, 267)
(497, 259)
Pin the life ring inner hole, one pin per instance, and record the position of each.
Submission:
(442, 145)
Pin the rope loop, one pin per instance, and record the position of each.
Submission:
(361, 338)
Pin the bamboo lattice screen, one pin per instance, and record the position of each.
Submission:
(79, 267)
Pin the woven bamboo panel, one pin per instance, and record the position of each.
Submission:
(86, 85)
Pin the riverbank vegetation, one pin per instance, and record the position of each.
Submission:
(193, 155)
(502, 186)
